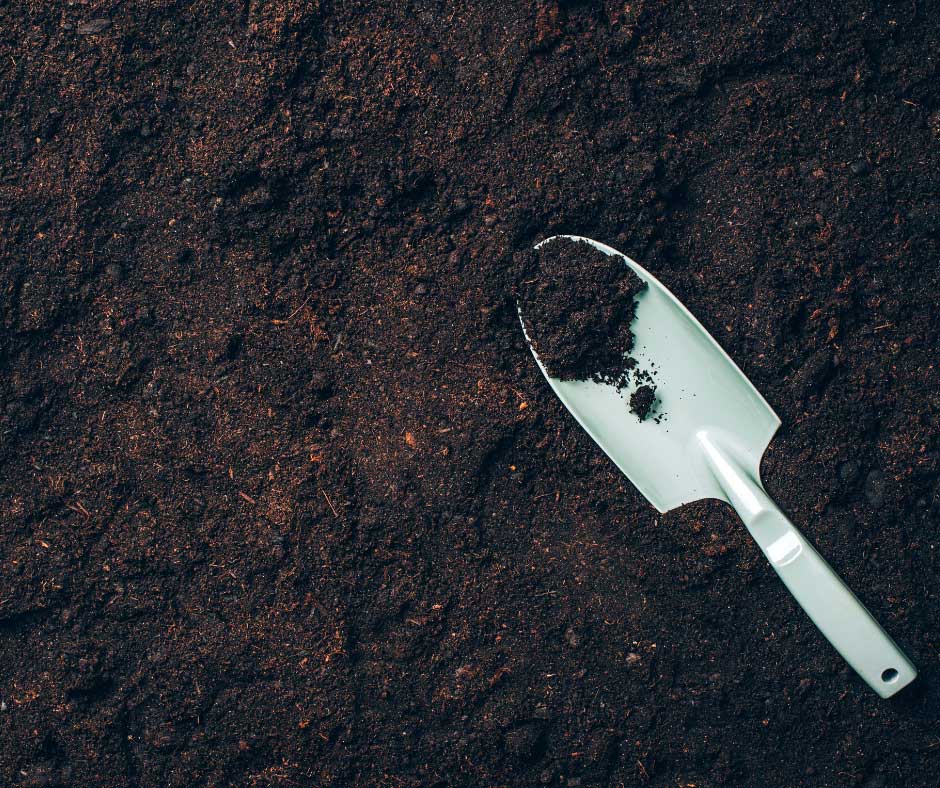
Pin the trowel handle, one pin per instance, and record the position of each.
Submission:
(844, 620)
(831, 605)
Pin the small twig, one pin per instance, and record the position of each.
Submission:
(335, 513)
(293, 314)
(77, 507)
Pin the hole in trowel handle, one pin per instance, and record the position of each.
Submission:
(889, 676)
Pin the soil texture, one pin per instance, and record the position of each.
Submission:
(641, 401)
(286, 501)
(578, 306)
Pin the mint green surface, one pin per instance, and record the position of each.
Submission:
(715, 427)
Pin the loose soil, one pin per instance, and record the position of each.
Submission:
(286, 501)
(578, 305)
(641, 401)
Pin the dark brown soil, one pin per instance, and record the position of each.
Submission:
(286, 501)
(641, 401)
(578, 306)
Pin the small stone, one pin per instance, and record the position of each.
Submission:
(490, 219)
(453, 258)
(421, 289)
(633, 658)
(572, 638)
(93, 26)
(114, 272)
(860, 167)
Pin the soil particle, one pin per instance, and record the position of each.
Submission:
(641, 401)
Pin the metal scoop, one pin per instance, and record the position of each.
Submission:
(715, 427)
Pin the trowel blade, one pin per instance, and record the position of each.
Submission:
(700, 392)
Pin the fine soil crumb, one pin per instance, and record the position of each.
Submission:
(641, 401)
(578, 309)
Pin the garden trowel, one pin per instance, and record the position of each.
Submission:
(712, 430)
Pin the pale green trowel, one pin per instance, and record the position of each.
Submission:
(714, 430)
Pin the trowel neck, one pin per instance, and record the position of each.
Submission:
(745, 492)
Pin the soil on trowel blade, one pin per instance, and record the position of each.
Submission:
(641, 401)
(578, 308)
